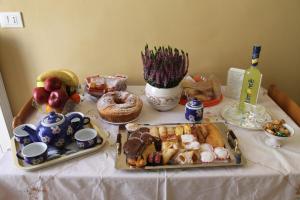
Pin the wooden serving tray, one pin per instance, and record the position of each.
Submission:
(24, 166)
(26, 110)
(236, 158)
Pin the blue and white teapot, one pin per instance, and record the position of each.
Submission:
(54, 129)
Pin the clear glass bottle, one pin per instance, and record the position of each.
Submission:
(251, 81)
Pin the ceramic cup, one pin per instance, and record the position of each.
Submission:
(22, 136)
(78, 120)
(34, 153)
(86, 138)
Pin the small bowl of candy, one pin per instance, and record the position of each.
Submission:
(277, 131)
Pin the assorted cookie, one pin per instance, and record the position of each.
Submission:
(167, 145)
(154, 158)
(221, 153)
(207, 156)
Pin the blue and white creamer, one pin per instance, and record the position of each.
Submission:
(194, 110)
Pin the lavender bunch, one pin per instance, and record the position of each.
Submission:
(164, 67)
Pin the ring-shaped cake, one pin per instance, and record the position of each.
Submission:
(119, 106)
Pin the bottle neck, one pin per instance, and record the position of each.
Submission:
(254, 62)
(255, 55)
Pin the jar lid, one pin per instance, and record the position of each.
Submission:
(195, 103)
(53, 119)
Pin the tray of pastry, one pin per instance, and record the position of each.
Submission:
(168, 146)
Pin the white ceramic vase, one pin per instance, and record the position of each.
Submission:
(163, 99)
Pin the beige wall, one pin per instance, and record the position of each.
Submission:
(106, 36)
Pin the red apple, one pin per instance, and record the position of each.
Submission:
(58, 98)
(52, 83)
(40, 95)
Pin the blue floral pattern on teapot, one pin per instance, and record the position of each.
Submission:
(55, 129)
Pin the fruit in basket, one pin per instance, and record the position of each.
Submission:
(56, 87)
(58, 98)
(67, 77)
(40, 95)
(52, 83)
(75, 97)
(72, 75)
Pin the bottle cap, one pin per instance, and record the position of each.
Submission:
(256, 51)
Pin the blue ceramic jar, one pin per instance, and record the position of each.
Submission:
(194, 110)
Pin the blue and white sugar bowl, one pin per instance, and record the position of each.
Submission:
(194, 110)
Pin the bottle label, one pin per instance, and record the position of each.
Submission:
(249, 90)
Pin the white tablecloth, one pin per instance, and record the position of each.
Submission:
(269, 173)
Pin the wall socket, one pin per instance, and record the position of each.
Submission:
(11, 20)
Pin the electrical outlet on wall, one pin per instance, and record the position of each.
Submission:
(11, 20)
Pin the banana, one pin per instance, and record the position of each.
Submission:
(72, 74)
(67, 77)
(71, 89)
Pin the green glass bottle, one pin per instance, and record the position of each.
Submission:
(251, 81)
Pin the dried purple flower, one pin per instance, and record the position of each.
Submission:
(164, 67)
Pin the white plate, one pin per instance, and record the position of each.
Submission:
(232, 116)
(118, 123)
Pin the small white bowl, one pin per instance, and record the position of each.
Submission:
(275, 141)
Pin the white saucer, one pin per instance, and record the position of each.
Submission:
(118, 123)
